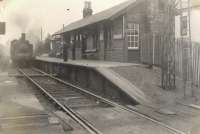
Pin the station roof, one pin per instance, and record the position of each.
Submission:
(101, 16)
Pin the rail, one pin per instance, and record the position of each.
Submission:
(83, 122)
(114, 104)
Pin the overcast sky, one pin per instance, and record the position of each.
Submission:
(30, 15)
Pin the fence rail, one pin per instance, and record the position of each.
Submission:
(183, 64)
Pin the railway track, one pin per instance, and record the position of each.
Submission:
(71, 98)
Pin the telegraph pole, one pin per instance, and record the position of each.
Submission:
(188, 49)
(168, 46)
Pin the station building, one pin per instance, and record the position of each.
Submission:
(124, 33)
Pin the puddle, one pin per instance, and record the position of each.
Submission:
(8, 82)
(166, 112)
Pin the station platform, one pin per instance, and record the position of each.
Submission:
(140, 82)
(143, 84)
(20, 110)
(104, 69)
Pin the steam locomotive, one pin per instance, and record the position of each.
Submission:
(21, 52)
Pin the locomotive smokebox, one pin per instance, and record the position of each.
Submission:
(23, 36)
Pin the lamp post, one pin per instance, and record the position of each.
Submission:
(188, 50)
(64, 44)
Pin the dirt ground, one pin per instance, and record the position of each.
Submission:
(170, 106)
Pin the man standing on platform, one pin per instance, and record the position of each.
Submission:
(65, 51)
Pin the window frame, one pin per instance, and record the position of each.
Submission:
(133, 38)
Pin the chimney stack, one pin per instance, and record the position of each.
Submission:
(87, 11)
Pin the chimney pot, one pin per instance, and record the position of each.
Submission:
(87, 11)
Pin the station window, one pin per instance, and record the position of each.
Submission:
(133, 36)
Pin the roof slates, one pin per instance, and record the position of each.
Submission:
(104, 15)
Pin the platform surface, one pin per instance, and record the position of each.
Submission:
(85, 63)
(20, 110)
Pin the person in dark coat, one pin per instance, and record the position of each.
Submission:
(65, 51)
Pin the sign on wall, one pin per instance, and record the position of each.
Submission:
(184, 25)
(117, 36)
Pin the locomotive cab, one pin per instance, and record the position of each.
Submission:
(21, 52)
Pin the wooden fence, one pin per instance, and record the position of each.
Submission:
(196, 64)
(184, 61)
(151, 53)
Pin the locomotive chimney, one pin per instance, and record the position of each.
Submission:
(23, 36)
(87, 10)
